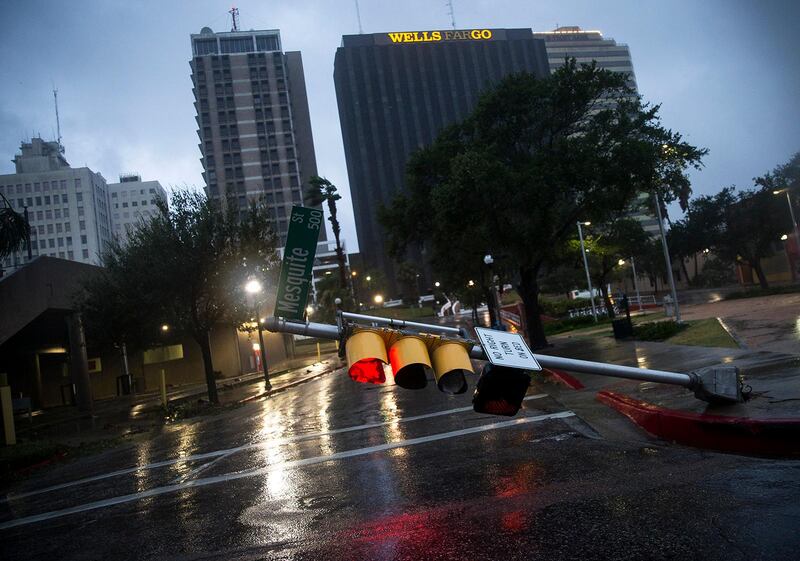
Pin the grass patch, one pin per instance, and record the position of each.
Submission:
(756, 292)
(572, 324)
(704, 333)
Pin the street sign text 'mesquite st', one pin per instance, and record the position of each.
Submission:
(298, 260)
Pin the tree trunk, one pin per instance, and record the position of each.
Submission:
(694, 278)
(607, 300)
(685, 271)
(762, 278)
(529, 292)
(339, 253)
(204, 340)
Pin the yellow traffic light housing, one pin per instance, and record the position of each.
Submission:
(412, 357)
(450, 364)
(366, 356)
(410, 362)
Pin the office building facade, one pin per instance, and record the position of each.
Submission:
(253, 120)
(133, 202)
(68, 208)
(397, 91)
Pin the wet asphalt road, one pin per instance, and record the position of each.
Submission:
(338, 470)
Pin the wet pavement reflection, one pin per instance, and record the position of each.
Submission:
(298, 476)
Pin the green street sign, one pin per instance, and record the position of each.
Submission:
(298, 258)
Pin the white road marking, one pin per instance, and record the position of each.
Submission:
(230, 451)
(156, 491)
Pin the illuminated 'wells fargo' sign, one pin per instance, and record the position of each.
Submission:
(436, 36)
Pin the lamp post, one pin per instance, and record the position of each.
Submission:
(252, 288)
(586, 267)
(494, 304)
(636, 283)
(794, 220)
(667, 259)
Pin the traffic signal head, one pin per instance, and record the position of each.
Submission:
(366, 355)
(500, 390)
(412, 357)
(450, 364)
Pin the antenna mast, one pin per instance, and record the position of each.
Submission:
(358, 15)
(234, 12)
(58, 122)
(451, 13)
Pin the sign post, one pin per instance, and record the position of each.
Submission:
(298, 259)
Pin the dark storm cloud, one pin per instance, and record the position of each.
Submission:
(727, 73)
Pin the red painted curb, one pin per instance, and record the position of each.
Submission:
(564, 378)
(741, 435)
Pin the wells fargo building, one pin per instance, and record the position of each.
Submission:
(397, 90)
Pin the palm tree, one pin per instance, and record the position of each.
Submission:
(321, 190)
(14, 229)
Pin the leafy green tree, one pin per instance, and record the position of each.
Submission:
(650, 262)
(408, 276)
(753, 222)
(533, 158)
(187, 267)
(14, 229)
(320, 191)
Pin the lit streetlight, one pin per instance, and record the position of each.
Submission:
(164, 328)
(253, 287)
(791, 211)
(437, 284)
(586, 267)
(784, 237)
(378, 299)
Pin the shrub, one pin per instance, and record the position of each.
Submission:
(658, 330)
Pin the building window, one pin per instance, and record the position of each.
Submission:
(66, 213)
(79, 195)
(86, 254)
(77, 182)
(51, 242)
(38, 201)
(67, 226)
(80, 211)
(83, 239)
(82, 225)
(59, 227)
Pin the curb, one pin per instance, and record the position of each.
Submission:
(563, 378)
(778, 437)
(290, 385)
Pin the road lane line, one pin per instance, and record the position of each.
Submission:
(230, 451)
(156, 491)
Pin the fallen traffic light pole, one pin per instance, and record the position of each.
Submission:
(417, 348)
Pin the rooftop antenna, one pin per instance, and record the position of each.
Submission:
(451, 13)
(234, 12)
(58, 122)
(358, 15)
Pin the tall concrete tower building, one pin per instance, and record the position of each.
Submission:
(397, 90)
(587, 46)
(253, 120)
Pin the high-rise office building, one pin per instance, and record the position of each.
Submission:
(397, 91)
(586, 46)
(253, 120)
(68, 208)
(133, 201)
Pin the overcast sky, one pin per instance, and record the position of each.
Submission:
(726, 71)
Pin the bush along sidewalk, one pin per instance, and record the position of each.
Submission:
(658, 330)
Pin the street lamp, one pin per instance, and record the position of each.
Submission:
(437, 284)
(253, 287)
(494, 305)
(164, 328)
(784, 237)
(378, 299)
(586, 267)
(791, 210)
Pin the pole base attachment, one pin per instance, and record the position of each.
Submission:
(718, 384)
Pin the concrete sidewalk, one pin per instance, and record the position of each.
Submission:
(124, 415)
(773, 380)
